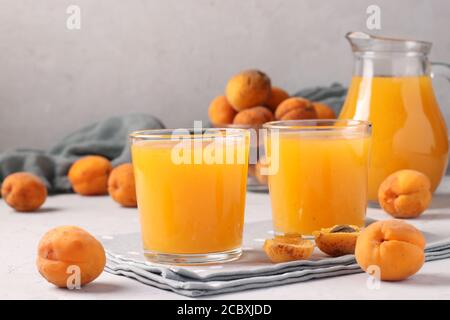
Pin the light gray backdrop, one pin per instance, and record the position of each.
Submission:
(170, 58)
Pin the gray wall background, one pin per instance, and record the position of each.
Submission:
(170, 58)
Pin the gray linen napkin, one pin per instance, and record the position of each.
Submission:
(108, 138)
(253, 270)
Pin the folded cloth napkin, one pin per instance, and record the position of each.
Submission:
(108, 138)
(252, 270)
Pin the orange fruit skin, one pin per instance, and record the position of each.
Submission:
(295, 108)
(254, 116)
(89, 175)
(405, 194)
(248, 89)
(276, 97)
(324, 111)
(220, 112)
(394, 246)
(24, 191)
(121, 185)
(66, 246)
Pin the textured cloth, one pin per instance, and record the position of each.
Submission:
(334, 95)
(108, 138)
(251, 271)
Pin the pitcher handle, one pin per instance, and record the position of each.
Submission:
(440, 69)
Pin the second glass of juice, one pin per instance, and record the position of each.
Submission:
(191, 193)
(318, 173)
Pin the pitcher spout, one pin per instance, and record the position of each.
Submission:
(364, 42)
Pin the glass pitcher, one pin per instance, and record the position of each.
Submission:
(391, 87)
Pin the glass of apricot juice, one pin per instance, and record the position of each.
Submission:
(318, 173)
(190, 189)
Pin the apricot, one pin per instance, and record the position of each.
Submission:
(220, 112)
(255, 116)
(394, 246)
(277, 96)
(248, 89)
(405, 194)
(295, 108)
(288, 248)
(63, 248)
(121, 185)
(24, 191)
(89, 175)
(324, 111)
(338, 240)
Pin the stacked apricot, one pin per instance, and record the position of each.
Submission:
(251, 100)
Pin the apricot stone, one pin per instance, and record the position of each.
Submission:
(63, 250)
(295, 108)
(324, 111)
(277, 96)
(220, 112)
(248, 89)
(121, 185)
(24, 191)
(393, 247)
(338, 240)
(405, 194)
(254, 116)
(89, 175)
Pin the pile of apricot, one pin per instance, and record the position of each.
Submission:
(94, 175)
(251, 100)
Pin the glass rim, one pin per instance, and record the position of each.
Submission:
(319, 125)
(187, 133)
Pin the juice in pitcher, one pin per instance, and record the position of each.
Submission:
(191, 194)
(319, 174)
(392, 88)
(408, 129)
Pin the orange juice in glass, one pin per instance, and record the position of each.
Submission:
(191, 193)
(318, 171)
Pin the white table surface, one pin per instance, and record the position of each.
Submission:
(20, 234)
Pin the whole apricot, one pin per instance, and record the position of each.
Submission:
(64, 250)
(392, 247)
(295, 108)
(405, 194)
(121, 185)
(24, 191)
(220, 112)
(277, 96)
(254, 116)
(324, 111)
(248, 89)
(89, 175)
